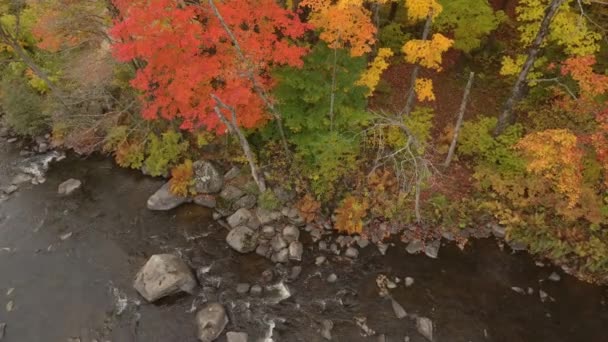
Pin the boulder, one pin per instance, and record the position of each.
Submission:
(281, 256)
(69, 187)
(10, 189)
(266, 216)
(163, 199)
(351, 252)
(296, 249)
(415, 246)
(268, 232)
(291, 234)
(432, 249)
(207, 179)
(163, 275)
(211, 321)
(278, 243)
(398, 309)
(232, 173)
(242, 239)
(425, 327)
(232, 336)
(239, 218)
(231, 193)
(207, 201)
(247, 202)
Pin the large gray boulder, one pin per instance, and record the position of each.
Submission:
(163, 199)
(242, 239)
(211, 322)
(163, 275)
(207, 179)
(240, 217)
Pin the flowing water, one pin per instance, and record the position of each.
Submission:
(67, 266)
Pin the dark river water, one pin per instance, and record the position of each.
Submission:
(70, 262)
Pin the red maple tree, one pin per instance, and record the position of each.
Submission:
(188, 55)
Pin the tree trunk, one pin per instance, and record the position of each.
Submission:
(411, 94)
(393, 13)
(234, 129)
(507, 118)
(463, 107)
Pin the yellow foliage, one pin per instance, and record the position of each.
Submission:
(427, 52)
(182, 179)
(554, 154)
(421, 9)
(424, 89)
(371, 77)
(350, 215)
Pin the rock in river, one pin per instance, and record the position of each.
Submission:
(232, 336)
(207, 179)
(425, 327)
(211, 321)
(163, 199)
(242, 239)
(68, 187)
(163, 275)
(240, 217)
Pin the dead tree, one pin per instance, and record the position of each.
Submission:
(463, 108)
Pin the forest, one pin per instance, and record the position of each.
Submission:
(407, 118)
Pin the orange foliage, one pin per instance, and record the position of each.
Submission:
(309, 208)
(350, 215)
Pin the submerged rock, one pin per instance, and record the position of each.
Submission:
(425, 327)
(232, 336)
(207, 179)
(232, 173)
(398, 309)
(415, 246)
(69, 187)
(242, 239)
(432, 249)
(163, 275)
(211, 322)
(163, 199)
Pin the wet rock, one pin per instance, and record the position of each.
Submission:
(11, 140)
(415, 246)
(242, 288)
(207, 179)
(247, 202)
(543, 295)
(10, 189)
(163, 275)
(498, 230)
(326, 327)
(211, 321)
(518, 290)
(296, 249)
(398, 309)
(291, 233)
(242, 239)
(232, 173)
(21, 178)
(554, 277)
(530, 291)
(232, 336)
(322, 245)
(320, 260)
(334, 249)
(239, 218)
(268, 232)
(2, 330)
(207, 201)
(263, 250)
(295, 272)
(281, 256)
(277, 293)
(43, 147)
(425, 327)
(432, 249)
(361, 242)
(332, 278)
(266, 216)
(278, 243)
(69, 187)
(409, 281)
(351, 252)
(231, 193)
(256, 290)
(163, 199)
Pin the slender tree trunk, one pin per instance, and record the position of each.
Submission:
(251, 76)
(463, 108)
(411, 94)
(234, 129)
(506, 117)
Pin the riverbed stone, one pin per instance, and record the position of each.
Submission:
(69, 187)
(351, 252)
(409, 281)
(207, 201)
(296, 249)
(290, 213)
(278, 243)
(326, 327)
(432, 249)
(232, 336)
(242, 288)
(239, 218)
(256, 290)
(234, 172)
(554, 277)
(163, 275)
(498, 230)
(163, 199)
(425, 327)
(231, 193)
(211, 322)
(382, 248)
(2, 330)
(207, 179)
(281, 256)
(415, 246)
(268, 232)
(291, 234)
(398, 309)
(10, 189)
(332, 278)
(320, 260)
(263, 249)
(295, 272)
(247, 202)
(267, 216)
(361, 241)
(21, 178)
(242, 239)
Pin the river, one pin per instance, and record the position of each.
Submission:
(67, 265)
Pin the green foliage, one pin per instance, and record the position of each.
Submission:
(327, 145)
(23, 107)
(470, 20)
(164, 152)
(268, 200)
(392, 36)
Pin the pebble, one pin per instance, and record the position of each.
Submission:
(382, 248)
(320, 260)
(256, 290)
(10, 306)
(398, 309)
(278, 243)
(291, 234)
(296, 249)
(232, 336)
(543, 295)
(322, 245)
(518, 290)
(242, 288)
(409, 281)
(295, 272)
(282, 256)
(268, 231)
(332, 278)
(334, 249)
(425, 327)
(326, 327)
(554, 277)
(352, 252)
(362, 242)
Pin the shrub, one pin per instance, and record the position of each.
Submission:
(23, 107)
